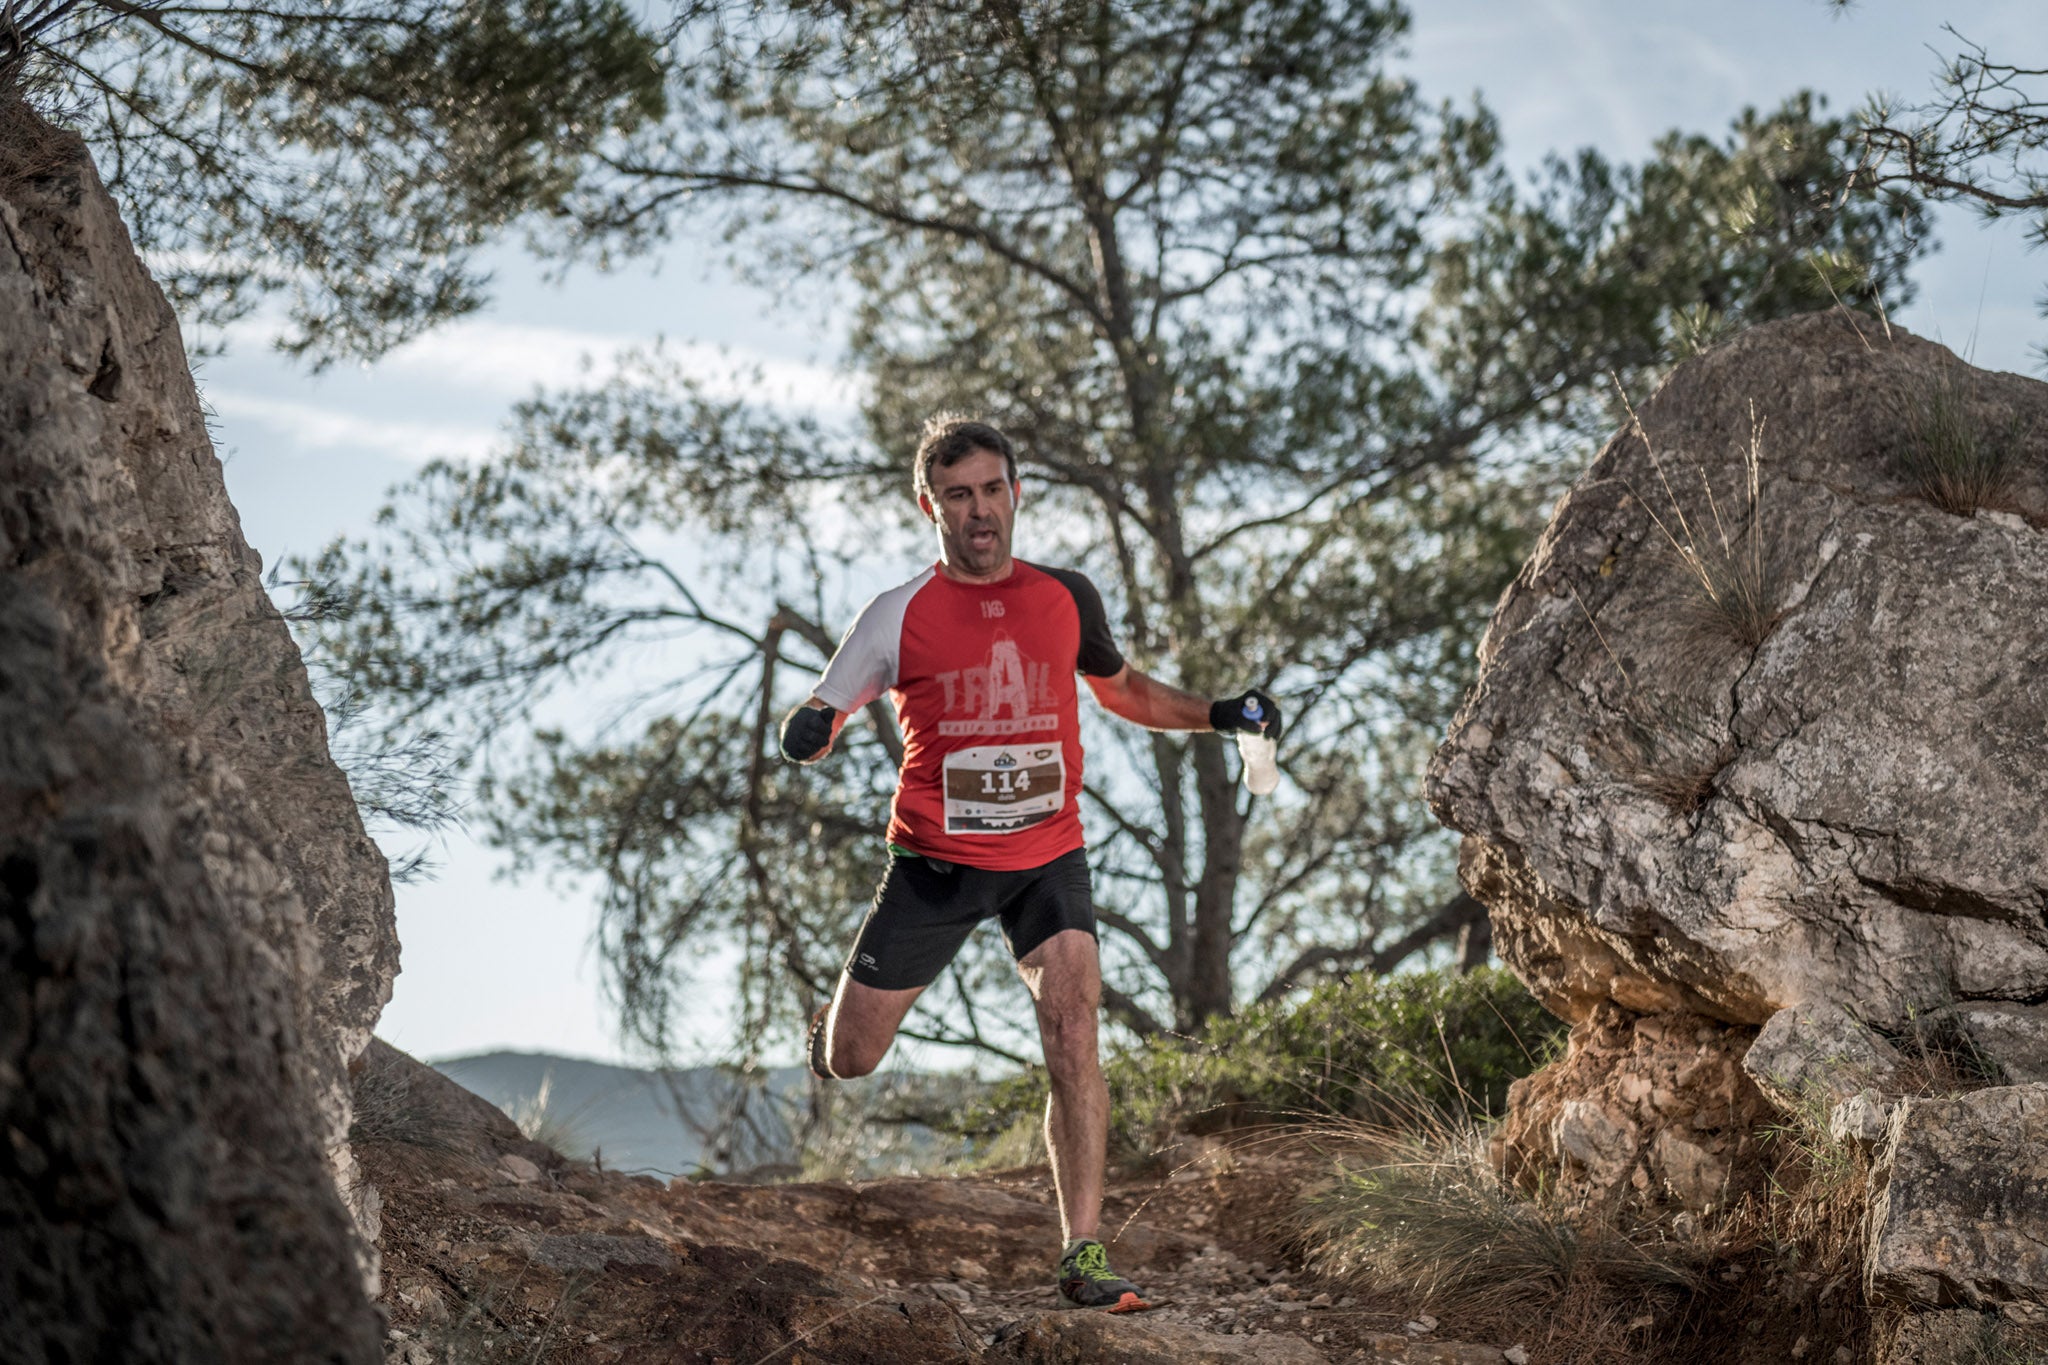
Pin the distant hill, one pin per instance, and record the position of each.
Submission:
(665, 1123)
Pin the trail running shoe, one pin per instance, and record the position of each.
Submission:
(814, 1045)
(1086, 1281)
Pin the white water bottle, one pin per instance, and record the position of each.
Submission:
(1261, 768)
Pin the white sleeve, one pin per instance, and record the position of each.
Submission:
(864, 665)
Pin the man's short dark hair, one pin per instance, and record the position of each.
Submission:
(949, 438)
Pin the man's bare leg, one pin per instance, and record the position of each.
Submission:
(1064, 975)
(861, 1024)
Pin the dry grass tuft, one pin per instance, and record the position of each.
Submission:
(30, 148)
(540, 1120)
(1426, 1216)
(1725, 556)
(386, 1112)
(1945, 453)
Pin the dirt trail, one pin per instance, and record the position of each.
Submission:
(497, 1250)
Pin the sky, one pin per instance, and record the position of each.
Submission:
(489, 963)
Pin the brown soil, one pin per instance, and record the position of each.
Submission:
(496, 1250)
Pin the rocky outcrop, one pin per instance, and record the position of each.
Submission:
(1654, 1107)
(202, 652)
(1761, 726)
(1840, 794)
(194, 934)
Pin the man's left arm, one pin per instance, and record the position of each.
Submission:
(1143, 699)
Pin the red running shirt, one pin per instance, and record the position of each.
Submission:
(982, 675)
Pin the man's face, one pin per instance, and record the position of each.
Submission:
(974, 504)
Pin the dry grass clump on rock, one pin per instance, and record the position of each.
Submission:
(1724, 552)
(1671, 749)
(30, 147)
(387, 1111)
(1945, 453)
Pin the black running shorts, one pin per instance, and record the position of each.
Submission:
(924, 911)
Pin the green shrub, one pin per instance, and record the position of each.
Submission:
(1382, 1049)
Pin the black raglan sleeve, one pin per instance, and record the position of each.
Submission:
(1099, 657)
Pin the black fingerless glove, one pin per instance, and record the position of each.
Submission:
(806, 733)
(1228, 715)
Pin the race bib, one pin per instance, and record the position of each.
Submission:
(1002, 788)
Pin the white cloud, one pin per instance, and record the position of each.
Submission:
(508, 359)
(312, 426)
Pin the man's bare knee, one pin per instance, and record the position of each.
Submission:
(863, 1024)
(850, 1062)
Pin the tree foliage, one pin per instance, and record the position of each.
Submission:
(1983, 141)
(349, 157)
(1290, 358)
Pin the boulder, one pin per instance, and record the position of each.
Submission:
(1841, 795)
(194, 933)
(1816, 1055)
(1760, 726)
(1959, 1203)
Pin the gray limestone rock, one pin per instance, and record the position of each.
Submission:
(194, 934)
(1817, 1054)
(2007, 1040)
(1959, 1202)
(1663, 811)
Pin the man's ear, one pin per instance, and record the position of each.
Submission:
(924, 505)
(1016, 494)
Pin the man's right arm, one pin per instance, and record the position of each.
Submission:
(808, 731)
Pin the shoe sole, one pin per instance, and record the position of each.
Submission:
(1129, 1303)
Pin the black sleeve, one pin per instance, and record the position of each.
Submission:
(1099, 658)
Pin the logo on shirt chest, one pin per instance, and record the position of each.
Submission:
(1010, 694)
(991, 608)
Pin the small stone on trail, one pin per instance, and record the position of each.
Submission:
(964, 1269)
(519, 1168)
(1515, 1355)
(1420, 1327)
(1320, 1301)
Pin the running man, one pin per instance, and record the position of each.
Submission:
(979, 653)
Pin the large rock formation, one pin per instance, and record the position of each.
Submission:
(1663, 814)
(1760, 740)
(195, 934)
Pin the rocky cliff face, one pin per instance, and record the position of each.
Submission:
(195, 934)
(1761, 737)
